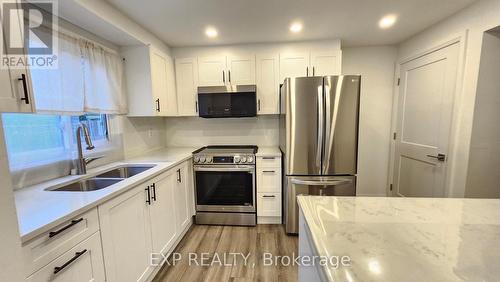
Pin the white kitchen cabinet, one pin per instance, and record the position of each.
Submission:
(126, 236)
(150, 82)
(267, 80)
(82, 263)
(269, 194)
(161, 211)
(181, 197)
(16, 94)
(326, 63)
(241, 69)
(294, 65)
(212, 71)
(186, 75)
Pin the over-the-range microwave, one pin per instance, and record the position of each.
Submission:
(227, 101)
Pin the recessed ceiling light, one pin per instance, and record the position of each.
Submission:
(296, 27)
(387, 21)
(211, 32)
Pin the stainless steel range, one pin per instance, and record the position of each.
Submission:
(225, 185)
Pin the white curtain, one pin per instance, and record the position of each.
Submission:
(61, 90)
(89, 79)
(103, 79)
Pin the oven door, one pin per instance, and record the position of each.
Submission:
(225, 188)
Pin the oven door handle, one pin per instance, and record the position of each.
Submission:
(225, 169)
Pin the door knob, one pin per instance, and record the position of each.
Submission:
(439, 157)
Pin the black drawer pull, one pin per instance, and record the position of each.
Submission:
(179, 177)
(57, 269)
(148, 200)
(269, 171)
(154, 191)
(268, 158)
(268, 196)
(73, 222)
(26, 98)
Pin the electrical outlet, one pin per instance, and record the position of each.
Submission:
(150, 132)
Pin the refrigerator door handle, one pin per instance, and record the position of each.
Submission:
(336, 182)
(331, 118)
(321, 129)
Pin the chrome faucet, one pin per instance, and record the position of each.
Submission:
(82, 162)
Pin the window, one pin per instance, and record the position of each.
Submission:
(34, 140)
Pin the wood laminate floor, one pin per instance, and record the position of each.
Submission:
(208, 244)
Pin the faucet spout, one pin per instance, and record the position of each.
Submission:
(81, 164)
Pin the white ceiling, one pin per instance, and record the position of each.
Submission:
(182, 22)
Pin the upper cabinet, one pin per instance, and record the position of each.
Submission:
(267, 80)
(212, 71)
(150, 82)
(241, 69)
(16, 94)
(186, 77)
(313, 63)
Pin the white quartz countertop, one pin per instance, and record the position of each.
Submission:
(271, 151)
(39, 211)
(406, 239)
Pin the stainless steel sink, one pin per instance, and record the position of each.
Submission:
(88, 185)
(124, 171)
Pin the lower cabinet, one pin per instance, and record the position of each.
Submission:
(269, 197)
(82, 263)
(144, 222)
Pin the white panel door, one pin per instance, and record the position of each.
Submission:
(182, 210)
(186, 73)
(241, 69)
(267, 84)
(16, 94)
(126, 236)
(162, 212)
(326, 63)
(294, 65)
(212, 71)
(170, 105)
(426, 93)
(159, 82)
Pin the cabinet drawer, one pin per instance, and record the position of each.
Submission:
(268, 204)
(83, 262)
(269, 180)
(269, 162)
(48, 246)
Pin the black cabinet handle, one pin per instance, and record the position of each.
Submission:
(196, 106)
(258, 104)
(229, 74)
(179, 178)
(307, 71)
(154, 191)
(268, 196)
(57, 269)
(269, 171)
(158, 105)
(26, 98)
(148, 200)
(313, 70)
(73, 223)
(223, 77)
(268, 158)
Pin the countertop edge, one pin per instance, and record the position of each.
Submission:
(36, 232)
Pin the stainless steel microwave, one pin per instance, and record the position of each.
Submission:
(227, 101)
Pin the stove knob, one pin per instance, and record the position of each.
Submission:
(209, 160)
(236, 159)
(250, 159)
(196, 159)
(202, 159)
(243, 159)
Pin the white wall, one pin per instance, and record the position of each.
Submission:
(376, 67)
(142, 134)
(10, 241)
(484, 161)
(477, 18)
(194, 131)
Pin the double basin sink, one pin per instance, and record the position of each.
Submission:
(104, 179)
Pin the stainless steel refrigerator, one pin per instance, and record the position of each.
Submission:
(319, 139)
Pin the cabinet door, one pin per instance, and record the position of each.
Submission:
(294, 65)
(326, 63)
(241, 69)
(126, 236)
(181, 197)
(16, 94)
(159, 81)
(162, 212)
(170, 105)
(267, 84)
(268, 204)
(212, 71)
(82, 263)
(186, 74)
(269, 179)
